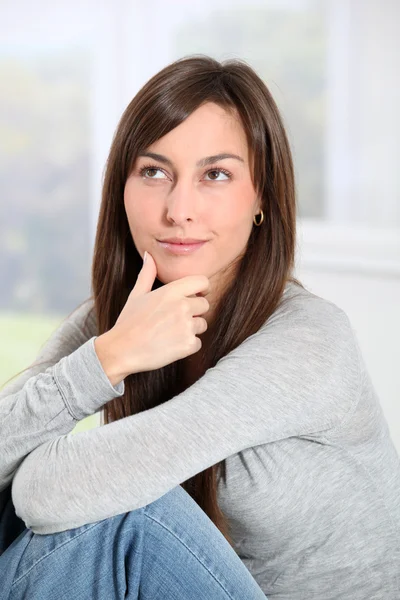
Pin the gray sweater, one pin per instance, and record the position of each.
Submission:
(312, 483)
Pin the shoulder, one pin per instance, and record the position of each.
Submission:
(307, 350)
(316, 335)
(74, 330)
(83, 317)
(315, 325)
(300, 305)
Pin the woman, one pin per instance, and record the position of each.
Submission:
(254, 462)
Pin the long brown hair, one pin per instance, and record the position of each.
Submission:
(164, 102)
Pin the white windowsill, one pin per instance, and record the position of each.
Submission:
(351, 248)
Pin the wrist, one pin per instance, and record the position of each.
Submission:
(108, 358)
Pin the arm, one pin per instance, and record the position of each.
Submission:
(298, 374)
(47, 400)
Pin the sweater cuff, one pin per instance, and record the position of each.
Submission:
(83, 383)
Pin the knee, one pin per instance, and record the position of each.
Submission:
(176, 502)
(117, 534)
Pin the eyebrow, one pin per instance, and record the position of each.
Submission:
(203, 162)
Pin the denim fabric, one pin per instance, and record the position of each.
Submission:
(10, 524)
(168, 549)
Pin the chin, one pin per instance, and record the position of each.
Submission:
(172, 273)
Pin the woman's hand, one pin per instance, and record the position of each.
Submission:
(155, 328)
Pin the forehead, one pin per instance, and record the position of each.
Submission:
(210, 129)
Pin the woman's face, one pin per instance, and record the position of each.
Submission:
(179, 198)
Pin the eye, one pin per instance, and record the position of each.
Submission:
(149, 168)
(218, 170)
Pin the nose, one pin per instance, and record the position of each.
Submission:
(183, 203)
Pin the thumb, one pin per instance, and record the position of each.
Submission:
(146, 277)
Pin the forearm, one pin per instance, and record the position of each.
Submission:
(29, 418)
(50, 404)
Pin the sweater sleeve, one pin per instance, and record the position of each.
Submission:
(297, 375)
(49, 398)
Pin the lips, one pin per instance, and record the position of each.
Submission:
(181, 249)
(184, 241)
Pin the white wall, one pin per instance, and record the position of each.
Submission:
(358, 269)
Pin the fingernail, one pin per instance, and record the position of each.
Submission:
(145, 256)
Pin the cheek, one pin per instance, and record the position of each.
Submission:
(139, 214)
(236, 226)
(237, 218)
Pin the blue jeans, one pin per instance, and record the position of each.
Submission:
(167, 550)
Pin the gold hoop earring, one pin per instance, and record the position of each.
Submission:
(262, 219)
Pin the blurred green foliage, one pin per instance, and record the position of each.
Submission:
(22, 336)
